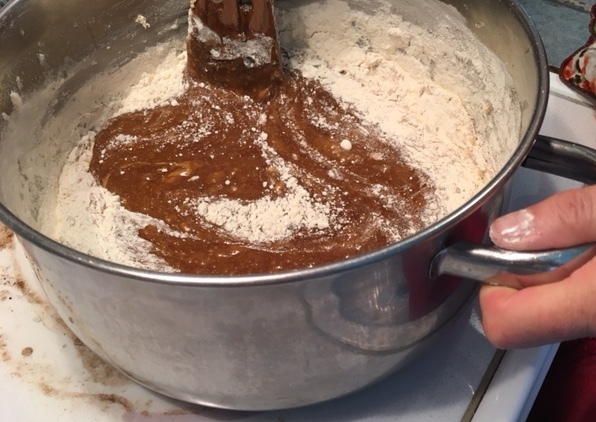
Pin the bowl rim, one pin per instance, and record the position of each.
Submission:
(433, 231)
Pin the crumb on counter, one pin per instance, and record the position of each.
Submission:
(141, 20)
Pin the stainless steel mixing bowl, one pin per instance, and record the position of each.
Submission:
(251, 343)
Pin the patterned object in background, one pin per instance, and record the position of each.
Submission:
(579, 70)
(3, 3)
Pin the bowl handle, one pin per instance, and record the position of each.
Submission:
(484, 263)
(563, 158)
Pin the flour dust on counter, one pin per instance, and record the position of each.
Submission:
(46, 362)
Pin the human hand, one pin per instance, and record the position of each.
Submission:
(545, 311)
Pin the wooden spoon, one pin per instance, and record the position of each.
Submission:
(233, 44)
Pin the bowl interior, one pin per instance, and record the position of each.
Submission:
(63, 45)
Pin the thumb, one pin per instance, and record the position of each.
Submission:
(565, 219)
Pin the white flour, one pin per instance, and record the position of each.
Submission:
(442, 98)
(266, 219)
(101, 227)
(435, 94)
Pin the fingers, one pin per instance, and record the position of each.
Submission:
(565, 219)
(541, 314)
(545, 311)
(552, 312)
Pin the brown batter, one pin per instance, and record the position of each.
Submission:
(205, 146)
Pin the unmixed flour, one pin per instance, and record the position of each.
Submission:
(267, 219)
(441, 97)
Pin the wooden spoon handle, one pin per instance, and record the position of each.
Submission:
(237, 19)
(262, 20)
(230, 14)
(244, 55)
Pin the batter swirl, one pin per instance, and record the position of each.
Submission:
(251, 186)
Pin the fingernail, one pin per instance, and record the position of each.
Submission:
(512, 229)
